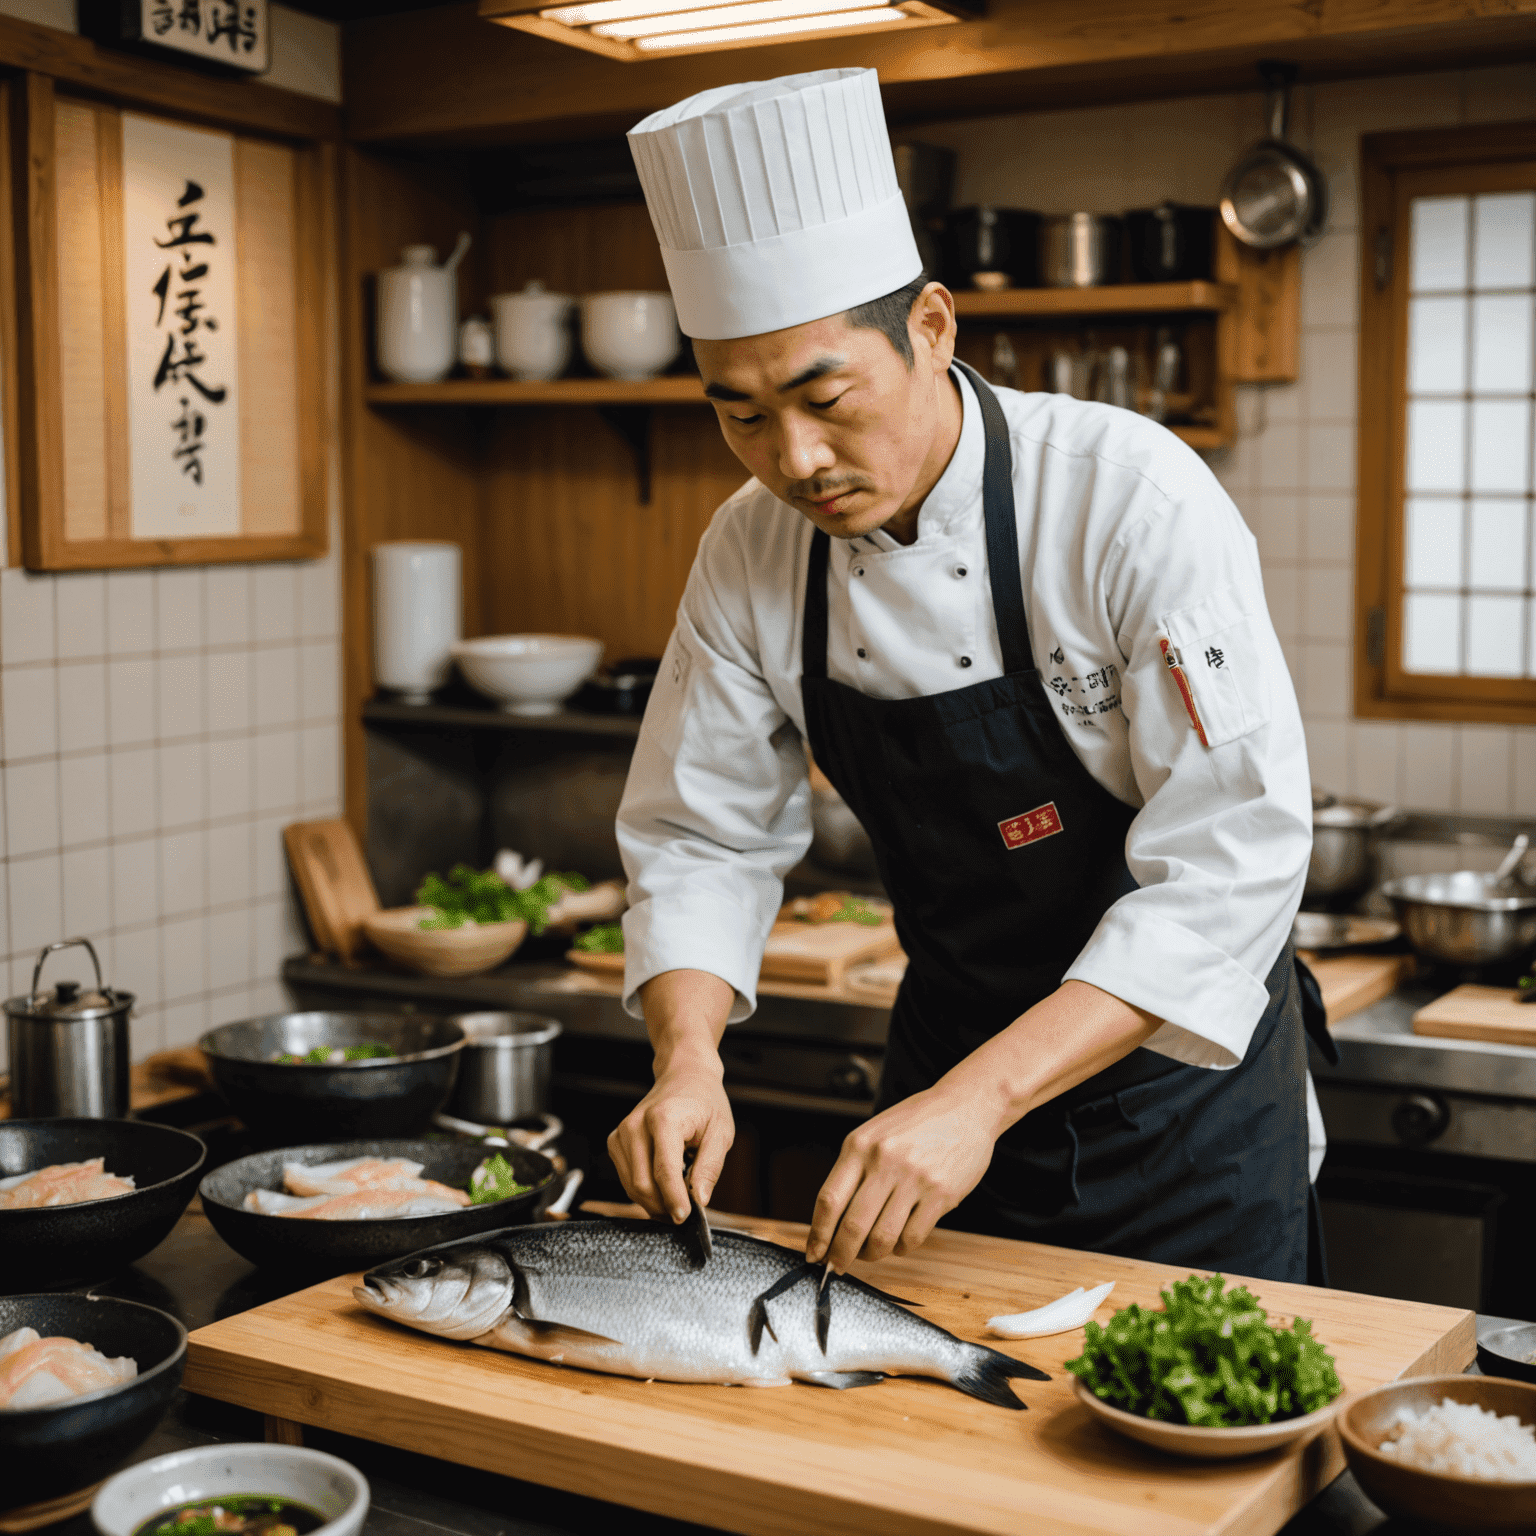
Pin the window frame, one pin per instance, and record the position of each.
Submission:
(1394, 168)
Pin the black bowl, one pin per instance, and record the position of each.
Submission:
(338, 1247)
(390, 1097)
(1508, 1352)
(65, 1244)
(48, 1452)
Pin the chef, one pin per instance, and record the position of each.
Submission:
(1026, 639)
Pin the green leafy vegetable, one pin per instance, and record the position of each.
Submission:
(604, 939)
(482, 896)
(1209, 1358)
(494, 1180)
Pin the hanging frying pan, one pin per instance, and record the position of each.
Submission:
(1274, 195)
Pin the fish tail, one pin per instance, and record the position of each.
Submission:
(987, 1372)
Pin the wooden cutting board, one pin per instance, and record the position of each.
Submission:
(905, 1458)
(333, 879)
(1352, 982)
(1479, 1013)
(820, 953)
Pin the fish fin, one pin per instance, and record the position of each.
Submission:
(694, 1233)
(986, 1375)
(757, 1321)
(841, 1381)
(823, 1314)
(557, 1333)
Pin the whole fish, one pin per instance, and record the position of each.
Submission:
(647, 1299)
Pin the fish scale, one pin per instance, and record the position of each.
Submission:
(645, 1299)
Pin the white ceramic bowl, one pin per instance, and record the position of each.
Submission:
(325, 1483)
(1199, 1444)
(528, 674)
(629, 335)
(533, 333)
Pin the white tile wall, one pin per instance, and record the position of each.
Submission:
(1292, 470)
(156, 738)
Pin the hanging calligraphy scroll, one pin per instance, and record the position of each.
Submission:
(173, 343)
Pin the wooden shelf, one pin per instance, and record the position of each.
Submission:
(570, 722)
(685, 389)
(1116, 299)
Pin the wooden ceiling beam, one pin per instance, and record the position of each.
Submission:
(446, 76)
(135, 80)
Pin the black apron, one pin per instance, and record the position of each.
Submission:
(1000, 853)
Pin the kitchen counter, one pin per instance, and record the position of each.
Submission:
(1377, 1045)
(194, 1275)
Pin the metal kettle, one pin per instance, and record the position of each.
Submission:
(68, 1048)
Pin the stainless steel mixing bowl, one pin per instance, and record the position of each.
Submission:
(1464, 918)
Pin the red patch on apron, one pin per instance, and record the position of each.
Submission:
(1043, 821)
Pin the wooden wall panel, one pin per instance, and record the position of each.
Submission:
(575, 250)
(409, 472)
(568, 547)
(267, 255)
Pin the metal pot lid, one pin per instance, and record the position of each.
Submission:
(1364, 815)
(66, 1000)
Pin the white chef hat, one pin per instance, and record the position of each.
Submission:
(775, 202)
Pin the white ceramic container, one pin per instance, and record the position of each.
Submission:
(416, 616)
(629, 335)
(533, 332)
(327, 1484)
(418, 314)
(528, 674)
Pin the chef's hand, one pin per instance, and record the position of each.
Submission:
(902, 1170)
(685, 1014)
(897, 1174)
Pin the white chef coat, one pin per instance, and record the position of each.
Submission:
(1125, 540)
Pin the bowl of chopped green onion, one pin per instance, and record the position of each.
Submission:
(1208, 1375)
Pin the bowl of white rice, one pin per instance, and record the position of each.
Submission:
(1450, 1450)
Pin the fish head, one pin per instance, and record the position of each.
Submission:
(456, 1293)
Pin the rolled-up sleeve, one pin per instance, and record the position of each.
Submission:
(1220, 846)
(717, 806)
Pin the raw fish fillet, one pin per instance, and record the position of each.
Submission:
(35, 1371)
(62, 1184)
(419, 1199)
(353, 1173)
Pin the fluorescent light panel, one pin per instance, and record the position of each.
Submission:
(620, 10)
(731, 16)
(792, 26)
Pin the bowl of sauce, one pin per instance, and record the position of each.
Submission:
(234, 1490)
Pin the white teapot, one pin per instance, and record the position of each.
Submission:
(418, 315)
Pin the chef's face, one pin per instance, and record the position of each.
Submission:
(834, 421)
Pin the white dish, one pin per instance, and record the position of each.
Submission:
(326, 1484)
(1199, 1444)
(528, 674)
(629, 335)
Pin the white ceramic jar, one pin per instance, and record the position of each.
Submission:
(416, 616)
(418, 313)
(533, 332)
(629, 335)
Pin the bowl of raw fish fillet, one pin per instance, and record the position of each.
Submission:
(84, 1380)
(1455, 1451)
(64, 1219)
(294, 1208)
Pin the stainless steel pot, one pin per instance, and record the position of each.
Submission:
(69, 1049)
(1343, 862)
(1080, 250)
(1465, 918)
(505, 1067)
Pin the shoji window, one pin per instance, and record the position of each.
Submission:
(1447, 539)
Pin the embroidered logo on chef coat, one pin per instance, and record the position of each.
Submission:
(1043, 821)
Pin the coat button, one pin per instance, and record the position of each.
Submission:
(960, 570)
(863, 654)
(965, 661)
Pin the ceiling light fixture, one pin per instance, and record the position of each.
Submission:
(632, 30)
